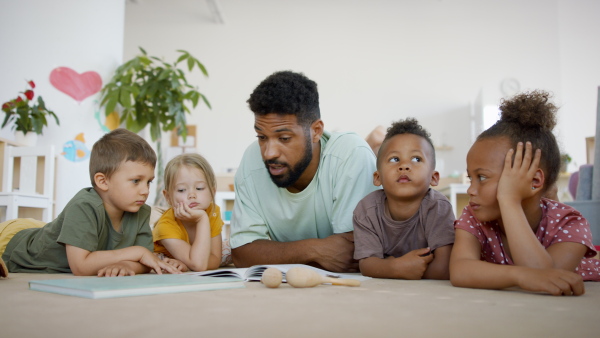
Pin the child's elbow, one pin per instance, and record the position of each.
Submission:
(458, 279)
(198, 267)
(79, 272)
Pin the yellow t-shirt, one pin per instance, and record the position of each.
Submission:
(169, 227)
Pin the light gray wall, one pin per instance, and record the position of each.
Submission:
(378, 61)
(375, 62)
(37, 36)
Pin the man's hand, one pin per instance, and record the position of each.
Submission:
(336, 253)
(413, 264)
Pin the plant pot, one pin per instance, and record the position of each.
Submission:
(29, 139)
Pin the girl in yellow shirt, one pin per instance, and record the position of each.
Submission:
(190, 230)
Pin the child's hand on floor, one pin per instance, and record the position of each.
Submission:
(116, 270)
(556, 282)
(177, 264)
(413, 264)
(187, 214)
(150, 260)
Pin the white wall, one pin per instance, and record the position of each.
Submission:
(579, 33)
(378, 61)
(375, 62)
(38, 36)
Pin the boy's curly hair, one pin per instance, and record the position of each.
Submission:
(287, 92)
(530, 116)
(408, 126)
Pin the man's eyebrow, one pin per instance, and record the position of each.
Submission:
(277, 130)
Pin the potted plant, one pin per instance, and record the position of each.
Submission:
(29, 116)
(152, 92)
(565, 159)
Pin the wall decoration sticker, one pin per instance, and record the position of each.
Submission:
(78, 86)
(76, 150)
(111, 122)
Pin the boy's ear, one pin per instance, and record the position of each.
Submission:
(101, 181)
(435, 179)
(376, 179)
(317, 130)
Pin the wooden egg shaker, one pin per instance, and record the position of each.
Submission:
(271, 278)
(305, 278)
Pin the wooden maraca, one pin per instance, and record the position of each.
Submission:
(271, 278)
(305, 278)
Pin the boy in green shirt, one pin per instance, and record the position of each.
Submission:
(103, 230)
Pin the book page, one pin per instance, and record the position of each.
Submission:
(254, 273)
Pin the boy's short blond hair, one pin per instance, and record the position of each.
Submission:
(192, 161)
(116, 147)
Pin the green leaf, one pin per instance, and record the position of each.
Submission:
(206, 102)
(195, 96)
(182, 57)
(164, 74)
(190, 63)
(111, 104)
(125, 97)
(201, 66)
(143, 50)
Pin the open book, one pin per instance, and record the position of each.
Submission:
(254, 273)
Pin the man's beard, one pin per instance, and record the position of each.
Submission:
(286, 180)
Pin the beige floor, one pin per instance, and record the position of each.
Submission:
(378, 308)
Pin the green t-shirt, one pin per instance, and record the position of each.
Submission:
(83, 223)
(264, 211)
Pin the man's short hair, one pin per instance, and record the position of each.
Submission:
(116, 147)
(289, 93)
(408, 126)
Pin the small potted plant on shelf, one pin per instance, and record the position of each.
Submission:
(152, 92)
(29, 116)
(565, 159)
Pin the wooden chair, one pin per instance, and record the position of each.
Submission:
(28, 180)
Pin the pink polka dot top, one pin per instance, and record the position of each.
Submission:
(560, 223)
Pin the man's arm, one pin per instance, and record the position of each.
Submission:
(333, 253)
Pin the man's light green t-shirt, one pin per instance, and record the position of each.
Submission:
(83, 223)
(264, 211)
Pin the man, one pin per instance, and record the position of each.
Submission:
(297, 186)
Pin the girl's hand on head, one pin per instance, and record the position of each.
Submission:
(516, 180)
(186, 214)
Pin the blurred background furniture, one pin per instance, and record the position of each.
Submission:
(28, 182)
(590, 208)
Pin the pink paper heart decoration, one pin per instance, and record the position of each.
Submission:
(77, 86)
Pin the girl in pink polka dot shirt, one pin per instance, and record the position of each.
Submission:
(510, 235)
